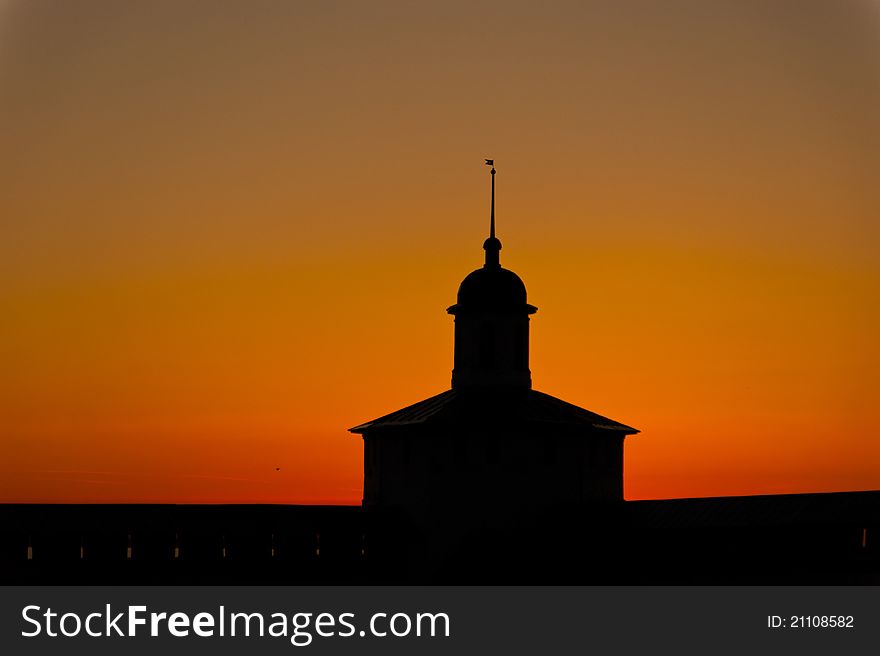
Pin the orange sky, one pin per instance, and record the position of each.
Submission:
(229, 231)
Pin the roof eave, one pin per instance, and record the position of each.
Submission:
(362, 428)
(620, 428)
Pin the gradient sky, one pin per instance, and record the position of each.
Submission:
(229, 231)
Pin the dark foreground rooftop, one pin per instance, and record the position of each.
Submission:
(821, 509)
(794, 539)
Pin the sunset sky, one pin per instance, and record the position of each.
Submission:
(229, 231)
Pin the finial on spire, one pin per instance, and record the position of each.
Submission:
(492, 246)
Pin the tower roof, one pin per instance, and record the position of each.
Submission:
(492, 288)
(460, 408)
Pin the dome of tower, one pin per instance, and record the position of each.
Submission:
(493, 287)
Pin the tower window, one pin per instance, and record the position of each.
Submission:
(487, 346)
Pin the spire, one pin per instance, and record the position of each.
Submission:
(491, 162)
(492, 246)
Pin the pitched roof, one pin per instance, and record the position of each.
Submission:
(496, 406)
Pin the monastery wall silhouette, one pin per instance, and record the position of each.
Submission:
(780, 539)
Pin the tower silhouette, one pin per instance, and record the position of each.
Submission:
(490, 446)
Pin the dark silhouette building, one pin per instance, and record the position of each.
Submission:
(491, 441)
(490, 452)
